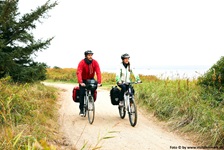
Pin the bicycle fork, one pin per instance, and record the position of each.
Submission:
(89, 100)
(127, 102)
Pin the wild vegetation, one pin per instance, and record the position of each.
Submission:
(194, 106)
(28, 118)
(181, 103)
(59, 74)
(213, 81)
(69, 75)
(27, 111)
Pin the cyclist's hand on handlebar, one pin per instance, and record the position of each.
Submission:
(82, 84)
(99, 85)
(119, 83)
(139, 81)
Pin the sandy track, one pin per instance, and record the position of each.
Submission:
(144, 136)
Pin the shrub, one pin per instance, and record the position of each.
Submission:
(214, 76)
(213, 81)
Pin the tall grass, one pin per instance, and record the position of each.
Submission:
(180, 102)
(69, 75)
(59, 74)
(27, 115)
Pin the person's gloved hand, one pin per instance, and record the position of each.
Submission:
(119, 83)
(82, 84)
(139, 81)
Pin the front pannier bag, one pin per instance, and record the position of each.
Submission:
(75, 94)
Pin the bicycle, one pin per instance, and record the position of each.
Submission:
(89, 106)
(129, 105)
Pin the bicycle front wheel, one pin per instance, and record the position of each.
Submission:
(133, 114)
(85, 107)
(122, 111)
(91, 110)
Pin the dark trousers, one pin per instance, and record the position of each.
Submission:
(124, 88)
(82, 94)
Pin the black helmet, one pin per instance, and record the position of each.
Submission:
(125, 56)
(88, 52)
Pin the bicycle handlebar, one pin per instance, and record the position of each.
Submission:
(127, 83)
(99, 85)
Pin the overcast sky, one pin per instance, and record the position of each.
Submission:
(155, 33)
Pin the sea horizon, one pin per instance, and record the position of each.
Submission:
(173, 72)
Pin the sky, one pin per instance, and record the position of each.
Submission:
(156, 33)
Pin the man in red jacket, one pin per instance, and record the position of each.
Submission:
(86, 70)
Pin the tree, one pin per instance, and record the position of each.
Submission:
(17, 43)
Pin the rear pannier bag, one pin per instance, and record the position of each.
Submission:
(114, 95)
(76, 94)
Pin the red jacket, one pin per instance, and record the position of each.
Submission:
(86, 71)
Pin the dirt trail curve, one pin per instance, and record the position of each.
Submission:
(144, 136)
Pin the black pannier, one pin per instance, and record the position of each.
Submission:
(114, 95)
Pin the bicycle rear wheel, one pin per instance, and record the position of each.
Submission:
(91, 110)
(133, 113)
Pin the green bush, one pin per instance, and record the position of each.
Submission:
(214, 76)
(213, 81)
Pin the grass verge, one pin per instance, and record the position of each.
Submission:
(28, 118)
(180, 103)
